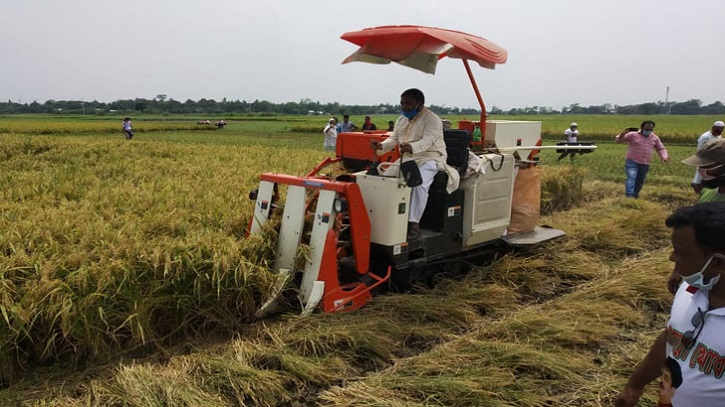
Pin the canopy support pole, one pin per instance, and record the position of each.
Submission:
(482, 125)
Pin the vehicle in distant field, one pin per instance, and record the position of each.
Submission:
(356, 224)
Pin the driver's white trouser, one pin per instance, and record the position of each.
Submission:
(419, 194)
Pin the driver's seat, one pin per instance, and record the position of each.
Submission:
(457, 143)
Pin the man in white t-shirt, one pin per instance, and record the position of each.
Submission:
(572, 133)
(690, 352)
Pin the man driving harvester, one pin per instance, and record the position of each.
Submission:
(419, 132)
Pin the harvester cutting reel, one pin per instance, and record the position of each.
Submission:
(337, 275)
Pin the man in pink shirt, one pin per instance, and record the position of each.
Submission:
(639, 153)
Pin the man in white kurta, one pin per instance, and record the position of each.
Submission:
(419, 132)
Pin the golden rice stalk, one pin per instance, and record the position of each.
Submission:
(562, 188)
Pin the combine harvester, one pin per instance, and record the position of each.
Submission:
(356, 224)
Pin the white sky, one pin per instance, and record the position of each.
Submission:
(560, 51)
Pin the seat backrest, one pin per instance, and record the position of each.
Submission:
(457, 143)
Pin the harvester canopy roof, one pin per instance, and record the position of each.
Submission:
(420, 47)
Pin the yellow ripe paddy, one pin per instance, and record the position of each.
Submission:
(126, 278)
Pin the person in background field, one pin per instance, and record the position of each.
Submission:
(391, 125)
(572, 133)
(693, 337)
(338, 125)
(127, 128)
(369, 125)
(710, 162)
(639, 153)
(419, 132)
(346, 125)
(714, 133)
(572, 136)
(330, 132)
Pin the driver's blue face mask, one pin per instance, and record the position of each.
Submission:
(411, 113)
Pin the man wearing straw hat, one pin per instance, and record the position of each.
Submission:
(710, 163)
(713, 134)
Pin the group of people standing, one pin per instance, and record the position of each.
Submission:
(642, 142)
(333, 128)
(709, 180)
(689, 354)
(127, 126)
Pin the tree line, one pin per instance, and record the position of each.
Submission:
(161, 104)
(690, 107)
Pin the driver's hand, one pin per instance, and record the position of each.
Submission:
(406, 148)
(375, 145)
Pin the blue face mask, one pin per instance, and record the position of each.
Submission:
(646, 132)
(697, 280)
(410, 113)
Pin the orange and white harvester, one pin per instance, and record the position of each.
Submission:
(355, 225)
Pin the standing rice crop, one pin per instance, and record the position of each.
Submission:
(109, 245)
